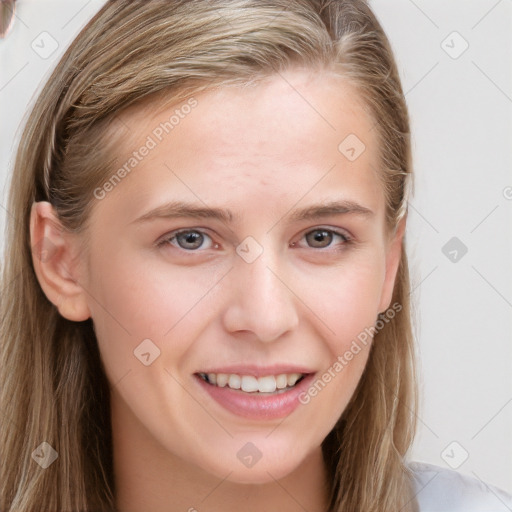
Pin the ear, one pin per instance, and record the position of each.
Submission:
(54, 256)
(393, 255)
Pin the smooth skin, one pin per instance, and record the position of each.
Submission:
(262, 152)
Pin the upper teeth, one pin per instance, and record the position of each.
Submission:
(249, 383)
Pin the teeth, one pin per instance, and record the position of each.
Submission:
(281, 381)
(267, 384)
(234, 381)
(251, 384)
(222, 379)
(292, 379)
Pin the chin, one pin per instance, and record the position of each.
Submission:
(261, 471)
(259, 476)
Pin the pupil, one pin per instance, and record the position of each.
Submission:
(320, 235)
(191, 238)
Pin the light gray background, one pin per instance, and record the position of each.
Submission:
(461, 111)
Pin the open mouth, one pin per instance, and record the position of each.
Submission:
(250, 384)
(263, 398)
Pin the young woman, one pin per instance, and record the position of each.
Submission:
(206, 295)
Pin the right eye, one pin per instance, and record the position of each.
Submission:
(186, 239)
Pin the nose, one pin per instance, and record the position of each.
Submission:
(262, 300)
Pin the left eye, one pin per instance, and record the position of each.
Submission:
(192, 239)
(320, 235)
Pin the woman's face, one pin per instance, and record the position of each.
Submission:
(270, 283)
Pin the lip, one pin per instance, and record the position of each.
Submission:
(259, 371)
(254, 406)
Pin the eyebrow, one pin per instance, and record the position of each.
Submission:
(180, 209)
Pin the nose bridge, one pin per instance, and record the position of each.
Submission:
(261, 302)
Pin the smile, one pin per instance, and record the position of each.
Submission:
(255, 398)
(251, 384)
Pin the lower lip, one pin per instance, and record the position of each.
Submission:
(257, 406)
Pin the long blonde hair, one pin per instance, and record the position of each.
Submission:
(53, 385)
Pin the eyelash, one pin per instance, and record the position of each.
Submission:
(347, 240)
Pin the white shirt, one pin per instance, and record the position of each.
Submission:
(443, 490)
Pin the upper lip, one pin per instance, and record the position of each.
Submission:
(259, 371)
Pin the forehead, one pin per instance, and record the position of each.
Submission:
(285, 133)
(324, 103)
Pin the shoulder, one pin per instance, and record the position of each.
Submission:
(443, 490)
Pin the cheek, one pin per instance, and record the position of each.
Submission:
(348, 306)
(133, 299)
(347, 299)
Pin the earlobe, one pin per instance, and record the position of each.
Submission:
(54, 258)
(393, 256)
